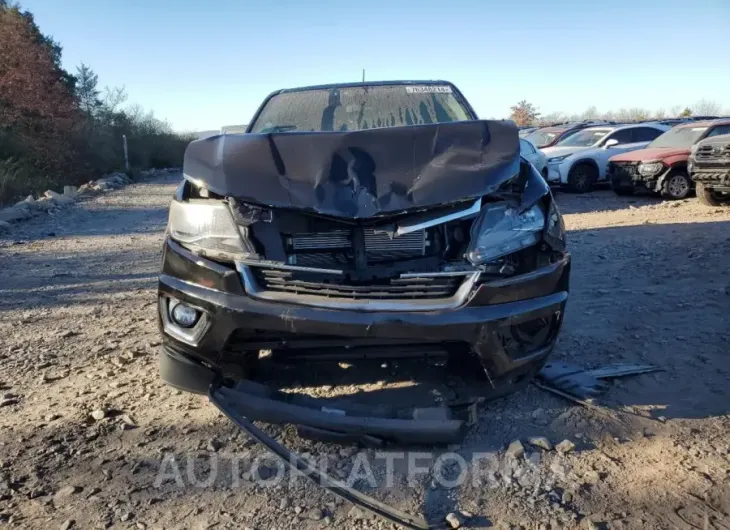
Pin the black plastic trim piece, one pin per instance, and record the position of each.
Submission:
(261, 403)
(185, 374)
(297, 463)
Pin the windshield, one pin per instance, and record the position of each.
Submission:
(542, 137)
(585, 138)
(679, 137)
(356, 108)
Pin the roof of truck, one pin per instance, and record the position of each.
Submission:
(366, 84)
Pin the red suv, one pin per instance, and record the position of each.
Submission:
(662, 166)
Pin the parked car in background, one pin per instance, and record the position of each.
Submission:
(524, 131)
(673, 122)
(545, 136)
(709, 168)
(662, 166)
(549, 136)
(533, 155)
(580, 160)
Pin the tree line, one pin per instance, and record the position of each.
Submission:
(526, 114)
(58, 127)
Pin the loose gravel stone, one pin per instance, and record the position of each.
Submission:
(541, 442)
(67, 491)
(515, 449)
(565, 447)
(455, 520)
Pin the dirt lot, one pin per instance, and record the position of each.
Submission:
(78, 340)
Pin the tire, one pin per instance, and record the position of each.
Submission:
(676, 186)
(582, 177)
(621, 190)
(707, 197)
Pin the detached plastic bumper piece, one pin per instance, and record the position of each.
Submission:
(404, 426)
(584, 383)
(233, 402)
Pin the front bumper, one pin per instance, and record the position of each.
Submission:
(555, 174)
(237, 323)
(630, 178)
(713, 177)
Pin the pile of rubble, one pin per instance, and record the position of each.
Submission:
(52, 201)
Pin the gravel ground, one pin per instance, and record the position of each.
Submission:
(90, 438)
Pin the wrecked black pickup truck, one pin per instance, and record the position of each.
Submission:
(709, 167)
(359, 221)
(355, 221)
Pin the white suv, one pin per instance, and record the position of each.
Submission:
(581, 159)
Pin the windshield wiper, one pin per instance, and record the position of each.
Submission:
(278, 128)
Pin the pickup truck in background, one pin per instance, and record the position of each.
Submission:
(709, 168)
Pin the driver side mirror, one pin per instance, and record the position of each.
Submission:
(610, 143)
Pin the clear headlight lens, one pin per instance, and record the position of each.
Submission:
(650, 169)
(205, 227)
(555, 226)
(558, 158)
(502, 230)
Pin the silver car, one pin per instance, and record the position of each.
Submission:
(580, 160)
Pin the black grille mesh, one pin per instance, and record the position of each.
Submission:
(299, 283)
(335, 247)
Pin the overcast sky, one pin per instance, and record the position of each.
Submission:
(201, 65)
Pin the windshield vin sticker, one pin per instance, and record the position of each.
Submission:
(428, 89)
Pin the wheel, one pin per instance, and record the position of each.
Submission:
(708, 197)
(582, 177)
(676, 185)
(621, 190)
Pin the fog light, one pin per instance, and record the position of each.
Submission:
(183, 315)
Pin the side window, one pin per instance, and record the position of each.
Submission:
(720, 129)
(645, 134)
(526, 148)
(623, 136)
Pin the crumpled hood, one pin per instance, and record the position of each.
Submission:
(655, 153)
(359, 173)
(560, 150)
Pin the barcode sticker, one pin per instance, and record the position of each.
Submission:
(428, 89)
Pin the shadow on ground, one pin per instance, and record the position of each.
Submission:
(45, 279)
